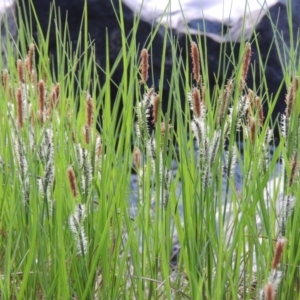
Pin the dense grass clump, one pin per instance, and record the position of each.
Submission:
(91, 205)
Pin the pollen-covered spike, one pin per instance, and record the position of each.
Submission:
(206, 178)
(198, 128)
(287, 207)
(275, 278)
(294, 167)
(230, 162)
(270, 289)
(284, 125)
(87, 172)
(48, 145)
(20, 152)
(166, 187)
(76, 225)
(79, 154)
(214, 147)
(152, 148)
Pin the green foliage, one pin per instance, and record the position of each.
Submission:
(71, 226)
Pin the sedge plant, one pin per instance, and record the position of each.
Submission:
(97, 193)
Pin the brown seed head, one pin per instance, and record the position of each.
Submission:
(31, 117)
(224, 101)
(87, 133)
(295, 86)
(33, 76)
(261, 116)
(57, 91)
(144, 66)
(54, 98)
(245, 64)
(229, 86)
(5, 79)
(279, 247)
(89, 111)
(195, 61)
(294, 167)
(155, 103)
(251, 95)
(259, 108)
(72, 181)
(163, 128)
(30, 58)
(252, 129)
(196, 98)
(269, 292)
(137, 158)
(20, 69)
(41, 92)
(73, 136)
(98, 146)
(290, 97)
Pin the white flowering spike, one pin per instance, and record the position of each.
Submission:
(199, 131)
(144, 110)
(242, 109)
(230, 163)
(98, 150)
(78, 151)
(214, 147)
(283, 123)
(85, 165)
(86, 172)
(48, 156)
(20, 154)
(151, 147)
(206, 177)
(76, 225)
(287, 207)
(166, 187)
(140, 181)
